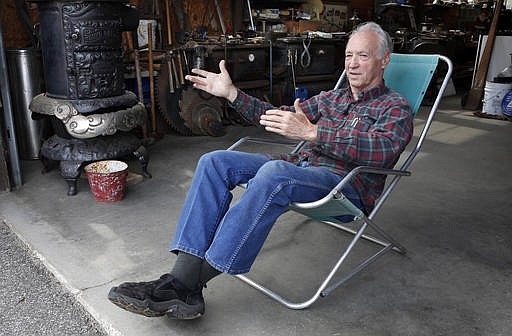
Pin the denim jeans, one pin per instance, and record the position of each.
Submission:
(230, 237)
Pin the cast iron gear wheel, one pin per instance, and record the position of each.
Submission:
(169, 103)
(201, 112)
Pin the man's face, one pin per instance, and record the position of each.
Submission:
(363, 67)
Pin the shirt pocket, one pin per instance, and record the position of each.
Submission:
(361, 123)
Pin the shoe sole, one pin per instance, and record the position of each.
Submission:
(175, 309)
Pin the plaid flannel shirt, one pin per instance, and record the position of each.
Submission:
(370, 131)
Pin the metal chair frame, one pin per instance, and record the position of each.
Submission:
(335, 201)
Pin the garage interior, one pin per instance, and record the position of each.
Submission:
(129, 59)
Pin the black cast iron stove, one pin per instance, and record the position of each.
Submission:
(89, 109)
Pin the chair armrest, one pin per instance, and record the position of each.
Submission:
(335, 192)
(261, 140)
(366, 169)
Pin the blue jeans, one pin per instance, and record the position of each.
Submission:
(230, 238)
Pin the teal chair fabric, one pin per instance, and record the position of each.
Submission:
(411, 74)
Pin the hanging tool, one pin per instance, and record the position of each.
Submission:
(168, 22)
(180, 69)
(175, 72)
(171, 80)
(292, 59)
(298, 92)
(151, 79)
(169, 102)
(138, 76)
(136, 59)
(305, 56)
(187, 66)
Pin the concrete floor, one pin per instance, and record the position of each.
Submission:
(453, 215)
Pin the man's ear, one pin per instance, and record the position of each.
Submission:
(385, 60)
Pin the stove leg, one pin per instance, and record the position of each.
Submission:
(70, 170)
(142, 155)
(48, 164)
(72, 186)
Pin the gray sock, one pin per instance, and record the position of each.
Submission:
(208, 272)
(187, 269)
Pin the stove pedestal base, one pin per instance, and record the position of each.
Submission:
(73, 154)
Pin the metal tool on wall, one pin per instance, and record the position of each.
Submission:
(138, 75)
(154, 132)
(168, 22)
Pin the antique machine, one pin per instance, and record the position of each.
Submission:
(192, 112)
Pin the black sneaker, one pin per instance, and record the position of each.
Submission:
(165, 296)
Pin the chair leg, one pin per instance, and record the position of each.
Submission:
(396, 246)
(323, 290)
(388, 239)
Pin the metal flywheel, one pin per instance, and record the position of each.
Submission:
(187, 110)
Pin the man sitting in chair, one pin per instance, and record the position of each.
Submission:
(363, 124)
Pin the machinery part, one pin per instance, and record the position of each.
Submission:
(201, 112)
(419, 45)
(199, 57)
(188, 111)
(168, 103)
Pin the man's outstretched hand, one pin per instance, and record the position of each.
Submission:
(217, 84)
(291, 125)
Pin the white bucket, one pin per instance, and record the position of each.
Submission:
(493, 95)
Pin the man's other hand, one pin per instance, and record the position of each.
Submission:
(291, 125)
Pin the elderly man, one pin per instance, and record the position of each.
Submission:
(363, 124)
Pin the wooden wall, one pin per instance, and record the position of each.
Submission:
(204, 13)
(14, 33)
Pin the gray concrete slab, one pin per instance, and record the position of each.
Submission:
(453, 215)
(32, 301)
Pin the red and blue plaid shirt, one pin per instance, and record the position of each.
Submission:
(370, 131)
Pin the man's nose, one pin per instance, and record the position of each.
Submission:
(353, 62)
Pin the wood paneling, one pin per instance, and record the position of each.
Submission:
(14, 33)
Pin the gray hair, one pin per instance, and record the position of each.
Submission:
(385, 42)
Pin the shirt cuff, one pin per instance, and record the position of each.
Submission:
(237, 102)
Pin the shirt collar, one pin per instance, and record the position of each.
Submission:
(369, 94)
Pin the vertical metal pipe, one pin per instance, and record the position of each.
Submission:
(221, 19)
(10, 134)
(270, 66)
(253, 28)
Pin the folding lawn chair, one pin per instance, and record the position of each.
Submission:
(409, 74)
